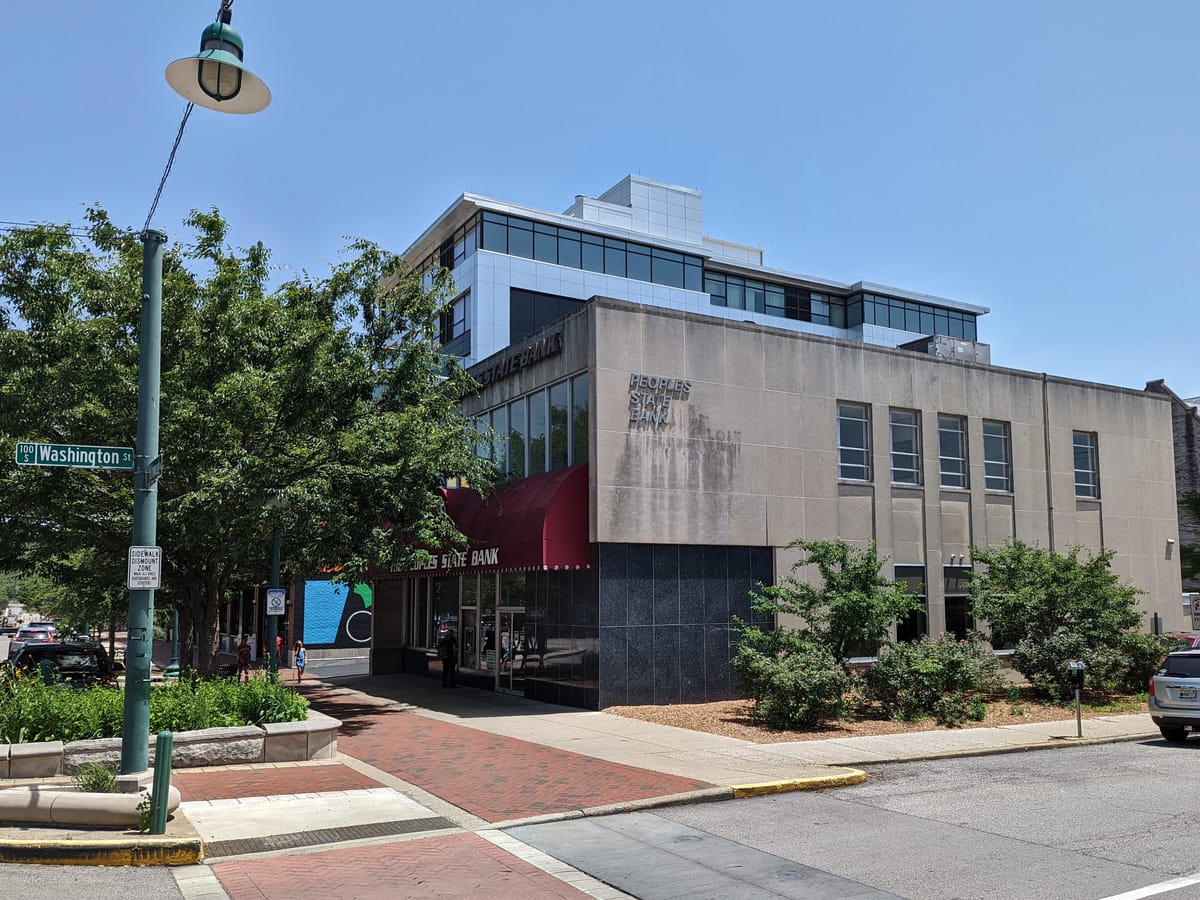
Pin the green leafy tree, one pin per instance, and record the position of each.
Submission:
(799, 675)
(849, 612)
(322, 405)
(1054, 607)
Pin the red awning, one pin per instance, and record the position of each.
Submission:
(540, 522)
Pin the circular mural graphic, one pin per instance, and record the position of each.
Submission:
(358, 626)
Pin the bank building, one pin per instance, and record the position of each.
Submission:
(672, 412)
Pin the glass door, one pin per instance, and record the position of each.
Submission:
(511, 635)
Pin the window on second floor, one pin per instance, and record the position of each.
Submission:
(997, 456)
(854, 441)
(905, 426)
(952, 451)
(1087, 469)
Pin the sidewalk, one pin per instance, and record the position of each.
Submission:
(423, 765)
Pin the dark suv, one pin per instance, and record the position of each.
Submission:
(74, 663)
(1175, 695)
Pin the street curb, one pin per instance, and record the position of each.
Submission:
(144, 852)
(1050, 743)
(854, 776)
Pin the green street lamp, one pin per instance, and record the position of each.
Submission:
(216, 79)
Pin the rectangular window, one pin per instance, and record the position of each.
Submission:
(614, 257)
(568, 250)
(593, 254)
(854, 444)
(959, 620)
(1087, 471)
(916, 624)
(517, 439)
(500, 435)
(545, 243)
(952, 451)
(559, 400)
(537, 433)
(997, 457)
(579, 419)
(637, 265)
(905, 425)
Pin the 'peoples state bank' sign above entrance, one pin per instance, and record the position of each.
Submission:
(482, 559)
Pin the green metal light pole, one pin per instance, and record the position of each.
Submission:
(135, 735)
(273, 621)
(215, 79)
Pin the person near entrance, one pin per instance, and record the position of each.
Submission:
(447, 650)
(243, 660)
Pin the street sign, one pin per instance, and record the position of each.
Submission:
(75, 456)
(1195, 613)
(276, 601)
(145, 568)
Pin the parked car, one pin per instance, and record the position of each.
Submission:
(9, 623)
(1175, 695)
(75, 663)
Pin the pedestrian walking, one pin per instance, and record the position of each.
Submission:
(299, 653)
(243, 660)
(278, 651)
(448, 653)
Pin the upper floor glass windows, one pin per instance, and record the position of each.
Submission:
(593, 253)
(854, 441)
(908, 315)
(1087, 470)
(542, 431)
(997, 456)
(952, 451)
(905, 427)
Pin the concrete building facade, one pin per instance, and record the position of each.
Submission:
(663, 446)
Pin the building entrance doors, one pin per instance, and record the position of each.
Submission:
(511, 641)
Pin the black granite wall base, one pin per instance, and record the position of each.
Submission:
(665, 613)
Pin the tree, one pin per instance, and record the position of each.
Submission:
(799, 676)
(850, 612)
(328, 394)
(1056, 607)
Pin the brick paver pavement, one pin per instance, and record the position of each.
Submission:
(494, 777)
(458, 865)
(234, 782)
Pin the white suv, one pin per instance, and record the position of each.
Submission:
(1175, 695)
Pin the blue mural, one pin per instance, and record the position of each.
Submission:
(336, 615)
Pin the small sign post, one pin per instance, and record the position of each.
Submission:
(145, 568)
(276, 601)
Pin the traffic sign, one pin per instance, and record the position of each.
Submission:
(145, 568)
(75, 456)
(276, 601)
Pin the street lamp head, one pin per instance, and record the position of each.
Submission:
(216, 78)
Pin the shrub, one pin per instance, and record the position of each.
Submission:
(31, 711)
(801, 689)
(96, 778)
(943, 677)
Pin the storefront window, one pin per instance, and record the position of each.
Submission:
(500, 437)
(445, 607)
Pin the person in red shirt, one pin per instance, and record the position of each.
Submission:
(243, 663)
(278, 650)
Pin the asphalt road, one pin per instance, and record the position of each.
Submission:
(1070, 823)
(92, 882)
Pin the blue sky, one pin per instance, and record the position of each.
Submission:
(1041, 159)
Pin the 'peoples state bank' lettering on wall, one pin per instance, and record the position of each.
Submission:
(650, 397)
(454, 559)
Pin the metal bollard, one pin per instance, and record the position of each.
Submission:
(159, 794)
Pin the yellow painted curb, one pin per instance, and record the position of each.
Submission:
(853, 776)
(103, 853)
